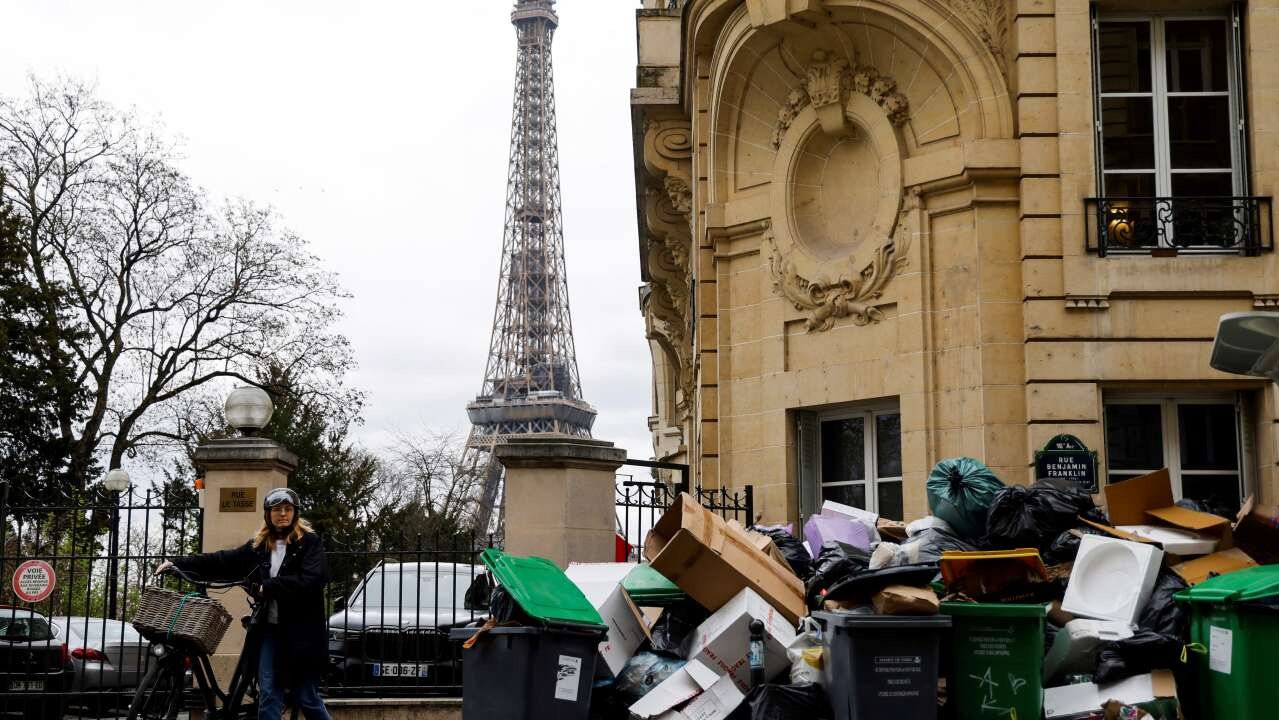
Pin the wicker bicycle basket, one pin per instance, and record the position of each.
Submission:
(168, 616)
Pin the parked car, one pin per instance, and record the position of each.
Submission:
(108, 658)
(393, 629)
(35, 665)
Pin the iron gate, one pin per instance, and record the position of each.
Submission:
(66, 645)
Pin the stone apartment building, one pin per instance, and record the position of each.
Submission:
(878, 233)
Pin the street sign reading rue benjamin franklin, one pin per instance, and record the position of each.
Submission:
(1066, 462)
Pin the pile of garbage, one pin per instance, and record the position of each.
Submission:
(1008, 601)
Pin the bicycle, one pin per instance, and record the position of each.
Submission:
(161, 694)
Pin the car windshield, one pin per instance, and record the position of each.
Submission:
(25, 628)
(413, 588)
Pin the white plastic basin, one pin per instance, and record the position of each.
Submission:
(1111, 579)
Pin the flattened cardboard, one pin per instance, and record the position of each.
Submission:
(717, 702)
(984, 574)
(679, 688)
(1146, 497)
(696, 550)
(1200, 569)
(1070, 700)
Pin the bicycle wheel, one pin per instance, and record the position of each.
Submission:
(159, 695)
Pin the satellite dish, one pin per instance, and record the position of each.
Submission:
(1247, 343)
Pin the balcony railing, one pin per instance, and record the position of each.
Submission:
(1165, 226)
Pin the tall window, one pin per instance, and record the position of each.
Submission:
(1169, 126)
(853, 457)
(1196, 438)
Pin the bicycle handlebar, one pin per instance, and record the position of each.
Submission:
(211, 584)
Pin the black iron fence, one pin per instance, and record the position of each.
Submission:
(73, 566)
(641, 502)
(391, 610)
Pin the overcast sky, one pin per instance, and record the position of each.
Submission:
(379, 130)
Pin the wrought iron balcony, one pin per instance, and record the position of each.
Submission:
(1166, 226)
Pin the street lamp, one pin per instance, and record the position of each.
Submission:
(116, 481)
(248, 409)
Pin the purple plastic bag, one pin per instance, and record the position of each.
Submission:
(821, 529)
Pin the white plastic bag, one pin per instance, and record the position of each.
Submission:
(805, 653)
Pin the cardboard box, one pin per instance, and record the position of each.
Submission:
(905, 600)
(626, 625)
(1219, 563)
(1070, 700)
(1148, 499)
(762, 542)
(716, 703)
(720, 643)
(699, 552)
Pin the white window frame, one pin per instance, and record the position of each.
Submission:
(1159, 95)
(870, 452)
(1171, 437)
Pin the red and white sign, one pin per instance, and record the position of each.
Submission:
(34, 580)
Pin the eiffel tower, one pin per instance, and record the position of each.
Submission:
(531, 383)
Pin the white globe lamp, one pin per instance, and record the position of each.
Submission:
(248, 409)
(117, 480)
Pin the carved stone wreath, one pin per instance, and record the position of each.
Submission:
(852, 294)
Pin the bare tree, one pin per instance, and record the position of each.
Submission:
(171, 290)
(427, 486)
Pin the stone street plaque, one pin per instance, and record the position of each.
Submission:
(237, 499)
(1066, 462)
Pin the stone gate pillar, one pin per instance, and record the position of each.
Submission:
(560, 497)
(238, 472)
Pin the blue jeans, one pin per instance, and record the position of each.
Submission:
(271, 693)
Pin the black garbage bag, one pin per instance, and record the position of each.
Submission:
(789, 702)
(834, 562)
(504, 609)
(960, 491)
(1213, 505)
(607, 704)
(1034, 516)
(1141, 653)
(927, 546)
(478, 593)
(1162, 614)
(792, 548)
(642, 673)
(673, 631)
(1065, 548)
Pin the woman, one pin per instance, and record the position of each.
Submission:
(293, 650)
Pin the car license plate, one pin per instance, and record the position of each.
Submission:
(26, 685)
(399, 670)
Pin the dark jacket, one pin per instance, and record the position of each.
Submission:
(298, 590)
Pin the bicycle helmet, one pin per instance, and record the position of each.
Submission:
(278, 496)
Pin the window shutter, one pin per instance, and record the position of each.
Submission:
(1100, 178)
(1241, 93)
(809, 451)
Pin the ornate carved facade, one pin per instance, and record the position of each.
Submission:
(872, 209)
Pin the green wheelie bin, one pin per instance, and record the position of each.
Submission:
(1234, 633)
(996, 661)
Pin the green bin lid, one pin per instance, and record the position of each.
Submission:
(541, 588)
(1254, 583)
(648, 587)
(994, 610)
